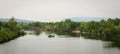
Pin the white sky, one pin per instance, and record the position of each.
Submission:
(55, 10)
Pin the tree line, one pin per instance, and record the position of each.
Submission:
(108, 29)
(10, 30)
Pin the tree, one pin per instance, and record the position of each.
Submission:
(12, 24)
(116, 21)
(10, 30)
(0, 25)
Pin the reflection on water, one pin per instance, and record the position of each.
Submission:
(33, 32)
(113, 45)
(68, 34)
(64, 43)
(90, 36)
(85, 36)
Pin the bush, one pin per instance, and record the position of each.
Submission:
(6, 35)
(21, 32)
(112, 34)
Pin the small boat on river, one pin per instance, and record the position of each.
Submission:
(50, 36)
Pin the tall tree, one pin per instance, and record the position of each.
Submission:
(0, 25)
(12, 24)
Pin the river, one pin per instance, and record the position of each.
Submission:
(60, 44)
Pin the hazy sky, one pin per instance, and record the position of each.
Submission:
(55, 10)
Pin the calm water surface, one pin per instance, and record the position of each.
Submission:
(60, 44)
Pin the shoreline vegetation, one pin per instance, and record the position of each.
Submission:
(109, 29)
(10, 30)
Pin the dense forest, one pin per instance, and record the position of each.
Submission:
(10, 30)
(109, 29)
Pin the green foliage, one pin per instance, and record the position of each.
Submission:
(0, 25)
(108, 29)
(12, 24)
(6, 35)
(112, 34)
(21, 32)
(9, 30)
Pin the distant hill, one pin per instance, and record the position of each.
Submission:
(87, 19)
(17, 20)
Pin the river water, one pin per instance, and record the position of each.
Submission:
(60, 44)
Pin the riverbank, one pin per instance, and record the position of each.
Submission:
(6, 36)
(10, 30)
